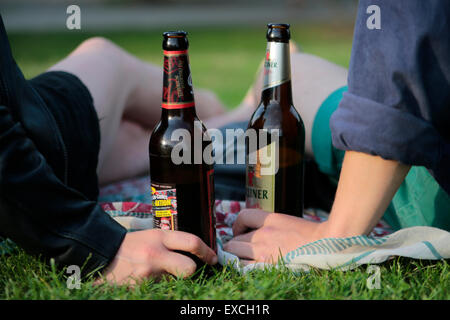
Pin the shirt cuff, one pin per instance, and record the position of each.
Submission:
(96, 242)
(363, 125)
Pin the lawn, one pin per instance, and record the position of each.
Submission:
(25, 277)
(223, 60)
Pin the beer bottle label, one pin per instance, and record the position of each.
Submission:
(177, 82)
(260, 180)
(276, 65)
(164, 206)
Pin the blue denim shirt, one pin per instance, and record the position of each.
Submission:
(398, 100)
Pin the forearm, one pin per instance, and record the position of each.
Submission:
(366, 186)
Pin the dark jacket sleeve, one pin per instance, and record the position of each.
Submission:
(43, 215)
(398, 100)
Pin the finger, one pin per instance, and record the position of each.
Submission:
(245, 237)
(249, 218)
(243, 250)
(178, 264)
(178, 240)
(266, 260)
(245, 262)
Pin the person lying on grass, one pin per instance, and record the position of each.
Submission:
(61, 131)
(393, 121)
(85, 122)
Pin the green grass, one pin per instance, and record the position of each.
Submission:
(225, 61)
(24, 277)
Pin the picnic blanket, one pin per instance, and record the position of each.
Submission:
(128, 203)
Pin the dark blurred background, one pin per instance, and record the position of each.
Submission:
(227, 37)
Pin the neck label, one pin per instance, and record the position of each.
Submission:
(177, 84)
(277, 68)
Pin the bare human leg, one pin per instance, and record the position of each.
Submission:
(127, 98)
(313, 79)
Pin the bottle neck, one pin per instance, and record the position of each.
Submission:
(178, 94)
(277, 74)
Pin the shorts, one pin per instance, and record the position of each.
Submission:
(71, 105)
(419, 201)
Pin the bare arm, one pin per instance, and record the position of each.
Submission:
(367, 185)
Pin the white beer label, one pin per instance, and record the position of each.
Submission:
(260, 179)
(277, 68)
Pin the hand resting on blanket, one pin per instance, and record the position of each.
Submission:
(273, 236)
(366, 186)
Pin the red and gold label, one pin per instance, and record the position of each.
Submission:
(177, 84)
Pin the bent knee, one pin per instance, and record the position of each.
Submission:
(97, 44)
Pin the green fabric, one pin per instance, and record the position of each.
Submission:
(419, 201)
(328, 159)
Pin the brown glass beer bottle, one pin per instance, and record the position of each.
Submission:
(181, 182)
(274, 179)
